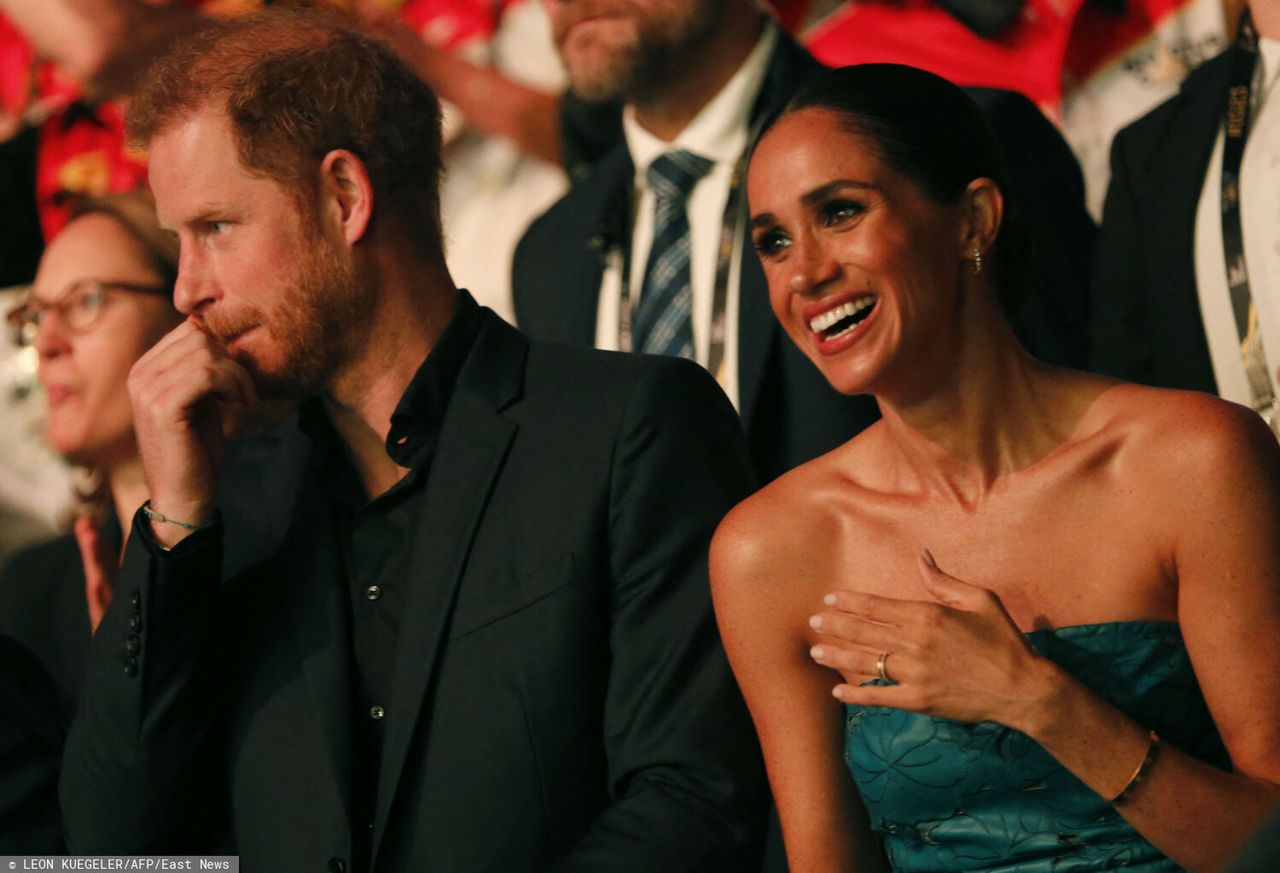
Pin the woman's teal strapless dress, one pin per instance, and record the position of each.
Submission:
(950, 797)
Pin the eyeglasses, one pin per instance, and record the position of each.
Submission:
(79, 307)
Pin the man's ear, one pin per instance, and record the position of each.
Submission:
(983, 211)
(346, 194)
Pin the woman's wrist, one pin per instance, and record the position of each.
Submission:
(1048, 704)
(1062, 712)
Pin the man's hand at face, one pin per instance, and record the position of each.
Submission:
(178, 389)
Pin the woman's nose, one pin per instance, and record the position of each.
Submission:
(52, 338)
(812, 265)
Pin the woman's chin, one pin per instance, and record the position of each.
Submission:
(80, 451)
(845, 376)
(66, 442)
(77, 456)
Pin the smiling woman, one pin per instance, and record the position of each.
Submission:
(1050, 690)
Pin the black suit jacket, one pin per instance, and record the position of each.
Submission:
(43, 607)
(44, 628)
(560, 696)
(31, 735)
(42, 588)
(790, 412)
(1146, 313)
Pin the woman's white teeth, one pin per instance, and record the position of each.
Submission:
(837, 314)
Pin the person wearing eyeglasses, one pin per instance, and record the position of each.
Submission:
(101, 297)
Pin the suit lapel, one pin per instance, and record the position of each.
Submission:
(604, 228)
(473, 444)
(1180, 165)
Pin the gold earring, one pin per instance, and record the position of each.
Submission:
(977, 261)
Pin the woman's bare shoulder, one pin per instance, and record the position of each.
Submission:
(782, 534)
(1186, 441)
(1187, 423)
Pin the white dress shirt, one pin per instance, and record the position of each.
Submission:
(1260, 224)
(718, 133)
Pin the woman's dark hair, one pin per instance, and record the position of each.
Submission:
(932, 132)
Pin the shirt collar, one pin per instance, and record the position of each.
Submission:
(1268, 65)
(719, 131)
(416, 422)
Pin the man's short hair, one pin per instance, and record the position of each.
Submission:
(297, 84)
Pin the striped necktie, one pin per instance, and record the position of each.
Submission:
(664, 316)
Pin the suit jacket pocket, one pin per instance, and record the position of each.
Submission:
(491, 599)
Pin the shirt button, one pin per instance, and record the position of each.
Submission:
(376, 713)
(337, 865)
(136, 600)
(132, 645)
(135, 622)
(373, 592)
(131, 666)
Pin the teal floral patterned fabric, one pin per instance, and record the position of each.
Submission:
(950, 797)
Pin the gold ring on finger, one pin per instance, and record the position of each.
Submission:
(880, 666)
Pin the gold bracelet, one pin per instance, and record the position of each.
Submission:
(1153, 749)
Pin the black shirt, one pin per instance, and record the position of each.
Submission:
(368, 543)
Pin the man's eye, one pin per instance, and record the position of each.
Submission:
(217, 227)
(838, 211)
(771, 243)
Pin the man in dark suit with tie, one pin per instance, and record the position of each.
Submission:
(700, 78)
(1162, 235)
(486, 643)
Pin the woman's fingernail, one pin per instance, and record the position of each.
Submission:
(817, 653)
(829, 600)
(815, 622)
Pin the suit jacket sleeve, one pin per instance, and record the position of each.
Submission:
(141, 769)
(1121, 346)
(686, 778)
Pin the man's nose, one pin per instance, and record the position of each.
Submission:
(192, 291)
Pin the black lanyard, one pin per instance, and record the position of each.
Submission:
(1236, 132)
